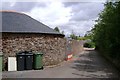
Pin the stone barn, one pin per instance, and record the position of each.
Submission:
(21, 32)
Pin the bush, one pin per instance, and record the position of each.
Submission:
(89, 45)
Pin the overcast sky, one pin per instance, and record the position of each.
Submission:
(71, 16)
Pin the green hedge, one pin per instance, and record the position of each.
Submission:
(89, 45)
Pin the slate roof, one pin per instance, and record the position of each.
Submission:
(21, 23)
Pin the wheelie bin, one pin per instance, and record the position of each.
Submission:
(37, 61)
(20, 61)
(28, 61)
(1, 60)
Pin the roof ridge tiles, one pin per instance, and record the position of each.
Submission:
(12, 11)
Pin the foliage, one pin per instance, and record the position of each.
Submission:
(63, 32)
(73, 36)
(89, 45)
(57, 29)
(82, 38)
(89, 35)
(106, 33)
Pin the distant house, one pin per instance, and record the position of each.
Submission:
(20, 32)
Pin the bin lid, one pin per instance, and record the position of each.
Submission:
(38, 53)
(20, 53)
(28, 54)
(1, 54)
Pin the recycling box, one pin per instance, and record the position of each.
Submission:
(12, 64)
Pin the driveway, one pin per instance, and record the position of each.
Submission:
(89, 64)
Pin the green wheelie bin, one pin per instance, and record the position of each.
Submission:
(37, 61)
(1, 60)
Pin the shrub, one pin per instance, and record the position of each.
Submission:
(89, 45)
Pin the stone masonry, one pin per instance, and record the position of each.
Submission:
(52, 46)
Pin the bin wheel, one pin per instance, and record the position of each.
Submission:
(42, 67)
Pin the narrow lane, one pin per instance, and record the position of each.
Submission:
(94, 66)
(89, 64)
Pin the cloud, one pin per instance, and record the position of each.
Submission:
(54, 14)
(69, 4)
(83, 15)
(85, 11)
(21, 6)
(68, 16)
(78, 27)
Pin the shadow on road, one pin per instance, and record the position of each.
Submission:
(94, 66)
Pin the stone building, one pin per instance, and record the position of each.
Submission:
(20, 32)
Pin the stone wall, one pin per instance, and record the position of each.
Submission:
(52, 46)
(74, 47)
(77, 47)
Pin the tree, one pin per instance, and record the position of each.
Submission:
(106, 33)
(63, 32)
(72, 36)
(57, 29)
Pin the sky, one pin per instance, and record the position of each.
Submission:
(76, 17)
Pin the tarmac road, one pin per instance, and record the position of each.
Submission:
(89, 64)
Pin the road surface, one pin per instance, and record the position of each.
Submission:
(89, 64)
